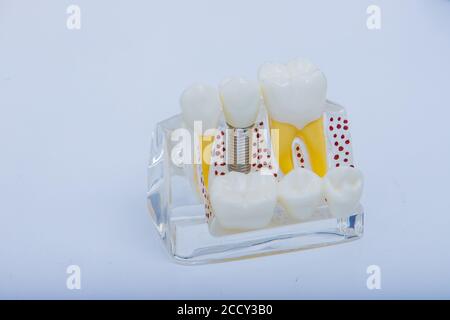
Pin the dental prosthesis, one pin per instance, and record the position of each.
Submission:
(270, 150)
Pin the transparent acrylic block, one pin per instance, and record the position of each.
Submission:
(191, 236)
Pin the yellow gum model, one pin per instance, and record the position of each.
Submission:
(313, 136)
(206, 147)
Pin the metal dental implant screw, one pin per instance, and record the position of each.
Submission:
(239, 146)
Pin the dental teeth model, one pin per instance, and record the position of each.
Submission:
(294, 94)
(241, 103)
(272, 169)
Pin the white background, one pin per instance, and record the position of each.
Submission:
(77, 109)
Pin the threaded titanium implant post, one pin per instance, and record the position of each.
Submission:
(239, 142)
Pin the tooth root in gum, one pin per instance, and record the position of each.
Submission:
(206, 147)
(206, 143)
(314, 138)
(283, 143)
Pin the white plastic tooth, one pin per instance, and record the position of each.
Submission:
(295, 92)
(243, 201)
(200, 103)
(300, 193)
(241, 101)
(343, 189)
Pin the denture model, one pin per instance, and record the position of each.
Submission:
(272, 155)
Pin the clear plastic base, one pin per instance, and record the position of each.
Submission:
(179, 216)
(190, 240)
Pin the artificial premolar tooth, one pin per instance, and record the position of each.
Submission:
(300, 192)
(243, 201)
(295, 95)
(201, 103)
(342, 189)
(241, 101)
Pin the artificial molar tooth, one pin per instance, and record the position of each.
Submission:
(243, 201)
(342, 189)
(295, 96)
(300, 193)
